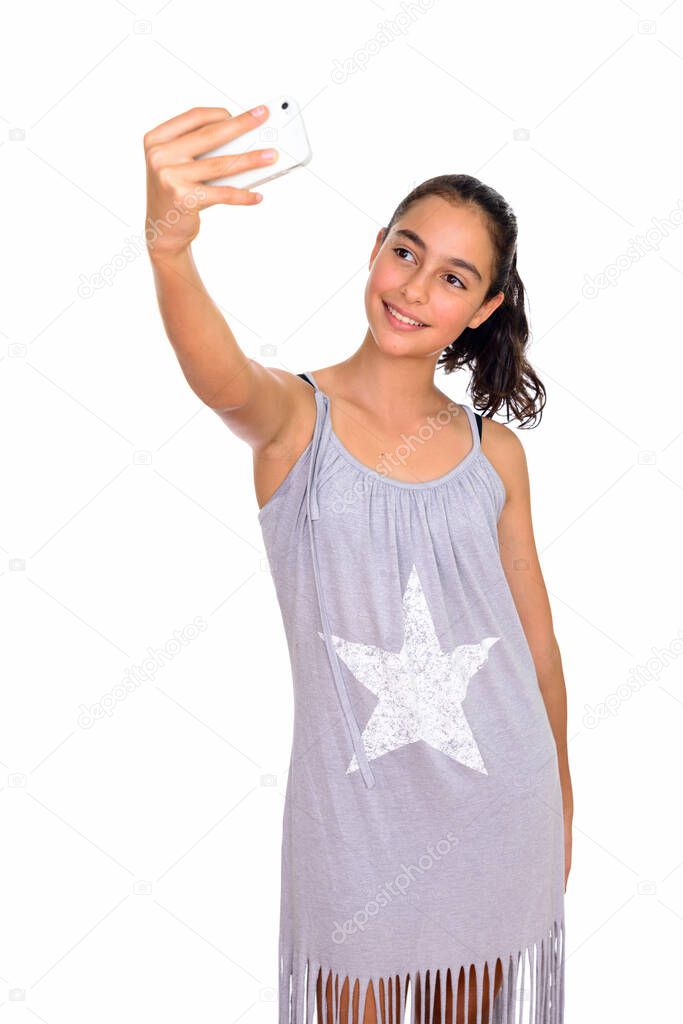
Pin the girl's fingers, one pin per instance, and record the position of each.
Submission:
(174, 174)
(227, 194)
(169, 130)
(217, 131)
(207, 168)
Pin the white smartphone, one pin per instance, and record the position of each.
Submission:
(283, 130)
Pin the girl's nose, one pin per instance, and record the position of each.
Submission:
(413, 293)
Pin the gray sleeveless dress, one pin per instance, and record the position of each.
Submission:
(422, 828)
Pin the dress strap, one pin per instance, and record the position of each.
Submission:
(475, 421)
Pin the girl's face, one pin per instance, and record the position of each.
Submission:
(435, 266)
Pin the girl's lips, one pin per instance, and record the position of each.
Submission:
(398, 324)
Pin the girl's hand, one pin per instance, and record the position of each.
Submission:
(175, 179)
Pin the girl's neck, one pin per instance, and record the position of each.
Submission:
(394, 386)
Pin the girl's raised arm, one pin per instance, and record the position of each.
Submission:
(254, 401)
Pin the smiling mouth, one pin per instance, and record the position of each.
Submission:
(402, 318)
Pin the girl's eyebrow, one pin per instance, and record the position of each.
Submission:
(454, 260)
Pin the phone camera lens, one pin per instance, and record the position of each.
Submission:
(285, 105)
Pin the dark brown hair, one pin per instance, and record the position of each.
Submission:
(495, 350)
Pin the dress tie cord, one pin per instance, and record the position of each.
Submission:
(313, 509)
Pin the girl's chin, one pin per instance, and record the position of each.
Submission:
(391, 344)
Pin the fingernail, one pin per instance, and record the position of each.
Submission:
(257, 111)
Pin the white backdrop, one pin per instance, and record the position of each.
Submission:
(140, 851)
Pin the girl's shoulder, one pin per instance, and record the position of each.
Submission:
(503, 448)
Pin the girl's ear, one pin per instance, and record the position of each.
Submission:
(381, 234)
(487, 309)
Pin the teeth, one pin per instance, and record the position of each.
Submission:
(404, 319)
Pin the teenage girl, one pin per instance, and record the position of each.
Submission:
(443, 290)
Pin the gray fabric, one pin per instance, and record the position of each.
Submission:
(422, 827)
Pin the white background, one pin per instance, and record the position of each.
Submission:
(140, 856)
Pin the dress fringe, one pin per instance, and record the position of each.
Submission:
(532, 989)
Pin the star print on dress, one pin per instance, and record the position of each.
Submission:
(420, 688)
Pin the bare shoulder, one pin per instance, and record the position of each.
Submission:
(297, 427)
(271, 415)
(503, 448)
(273, 461)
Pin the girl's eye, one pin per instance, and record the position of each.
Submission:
(400, 248)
